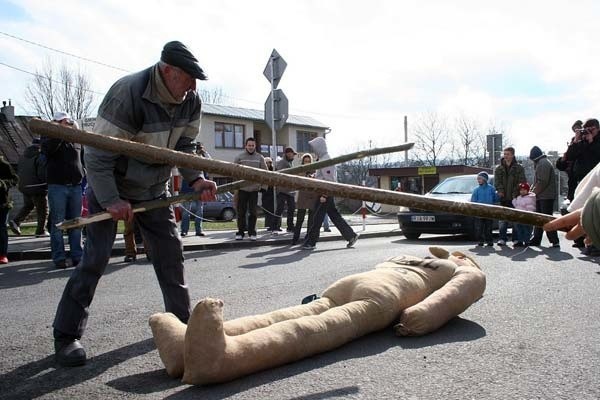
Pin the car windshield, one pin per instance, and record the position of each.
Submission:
(463, 185)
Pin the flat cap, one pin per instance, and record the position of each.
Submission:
(175, 53)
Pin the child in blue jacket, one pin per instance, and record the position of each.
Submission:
(485, 194)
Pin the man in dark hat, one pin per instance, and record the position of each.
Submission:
(286, 197)
(157, 106)
(544, 187)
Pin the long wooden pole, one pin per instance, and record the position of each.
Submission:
(157, 154)
(229, 187)
(150, 205)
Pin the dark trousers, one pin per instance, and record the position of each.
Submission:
(40, 203)
(484, 229)
(3, 231)
(284, 199)
(327, 208)
(544, 206)
(269, 209)
(246, 204)
(160, 230)
(300, 220)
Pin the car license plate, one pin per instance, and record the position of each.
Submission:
(422, 218)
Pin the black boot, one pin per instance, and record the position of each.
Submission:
(69, 352)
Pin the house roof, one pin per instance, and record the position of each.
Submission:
(15, 136)
(258, 115)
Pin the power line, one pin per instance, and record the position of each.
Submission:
(53, 80)
(63, 52)
(353, 117)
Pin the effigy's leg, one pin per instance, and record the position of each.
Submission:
(169, 334)
(169, 331)
(212, 356)
(242, 325)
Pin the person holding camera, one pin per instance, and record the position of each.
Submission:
(566, 165)
(585, 149)
(584, 152)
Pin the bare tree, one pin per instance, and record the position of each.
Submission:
(432, 139)
(212, 96)
(470, 149)
(66, 90)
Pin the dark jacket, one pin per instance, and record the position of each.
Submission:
(544, 185)
(8, 179)
(64, 162)
(507, 179)
(282, 164)
(585, 156)
(32, 171)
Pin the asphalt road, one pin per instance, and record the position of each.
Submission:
(534, 335)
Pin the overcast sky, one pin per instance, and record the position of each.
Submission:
(357, 66)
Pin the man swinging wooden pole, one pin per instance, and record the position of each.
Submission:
(170, 157)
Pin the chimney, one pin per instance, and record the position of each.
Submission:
(8, 111)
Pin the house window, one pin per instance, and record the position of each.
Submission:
(229, 136)
(265, 150)
(302, 139)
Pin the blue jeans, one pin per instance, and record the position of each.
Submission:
(197, 208)
(522, 233)
(64, 202)
(503, 230)
(326, 222)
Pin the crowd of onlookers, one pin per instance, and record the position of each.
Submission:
(51, 178)
(318, 207)
(512, 189)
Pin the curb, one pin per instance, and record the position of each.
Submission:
(22, 255)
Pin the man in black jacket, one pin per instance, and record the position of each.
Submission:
(64, 173)
(585, 149)
(32, 183)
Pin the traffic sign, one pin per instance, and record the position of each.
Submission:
(276, 109)
(275, 68)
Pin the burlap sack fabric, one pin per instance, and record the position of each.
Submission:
(217, 351)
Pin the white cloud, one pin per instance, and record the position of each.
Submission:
(357, 66)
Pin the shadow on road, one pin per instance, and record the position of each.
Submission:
(41, 377)
(456, 330)
(25, 274)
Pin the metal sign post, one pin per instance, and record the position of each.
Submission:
(276, 106)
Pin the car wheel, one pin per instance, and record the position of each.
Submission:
(411, 235)
(228, 214)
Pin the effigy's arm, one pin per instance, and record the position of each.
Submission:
(464, 288)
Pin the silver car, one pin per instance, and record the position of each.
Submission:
(414, 222)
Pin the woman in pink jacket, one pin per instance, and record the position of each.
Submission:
(525, 201)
